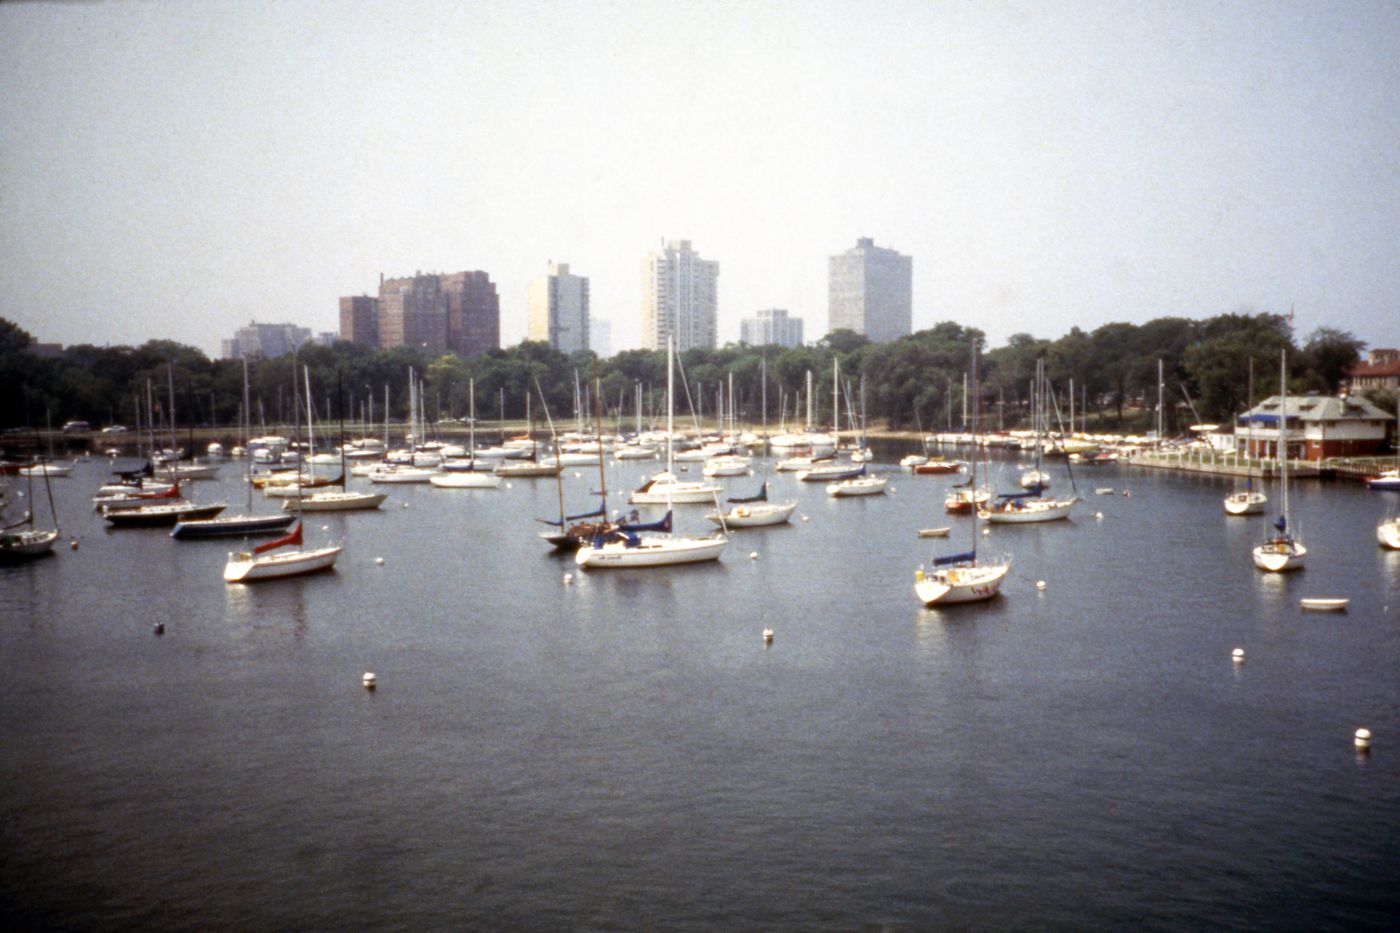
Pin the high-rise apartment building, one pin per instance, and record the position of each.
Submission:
(459, 311)
(264, 341)
(771, 326)
(473, 313)
(359, 320)
(558, 309)
(870, 291)
(679, 298)
(600, 337)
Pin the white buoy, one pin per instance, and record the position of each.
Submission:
(1362, 739)
(568, 578)
(893, 490)
(379, 561)
(368, 680)
(1237, 655)
(325, 527)
(805, 518)
(768, 636)
(508, 486)
(73, 544)
(1098, 515)
(405, 505)
(1040, 584)
(753, 555)
(986, 531)
(577, 474)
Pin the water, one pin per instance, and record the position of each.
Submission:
(623, 751)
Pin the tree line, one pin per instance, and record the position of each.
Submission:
(916, 382)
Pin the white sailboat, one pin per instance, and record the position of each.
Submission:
(621, 547)
(343, 499)
(1282, 551)
(962, 578)
(1029, 507)
(275, 559)
(1388, 533)
(21, 540)
(755, 511)
(1247, 501)
(472, 478)
(233, 525)
(858, 486)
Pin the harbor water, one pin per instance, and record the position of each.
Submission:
(623, 750)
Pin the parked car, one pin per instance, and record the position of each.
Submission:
(76, 427)
(114, 429)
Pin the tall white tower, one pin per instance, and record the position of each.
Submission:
(679, 298)
(870, 291)
(558, 305)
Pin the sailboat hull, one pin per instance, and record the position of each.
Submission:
(657, 551)
(338, 502)
(1280, 556)
(1044, 510)
(960, 584)
(232, 525)
(1245, 503)
(464, 480)
(1388, 534)
(26, 545)
(755, 515)
(860, 486)
(246, 567)
(154, 516)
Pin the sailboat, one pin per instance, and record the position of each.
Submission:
(229, 525)
(269, 561)
(471, 477)
(1030, 506)
(329, 500)
(1282, 551)
(623, 547)
(962, 578)
(165, 514)
(1247, 501)
(755, 511)
(858, 486)
(21, 540)
(1388, 533)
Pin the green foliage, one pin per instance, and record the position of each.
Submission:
(913, 382)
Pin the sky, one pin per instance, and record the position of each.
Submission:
(176, 170)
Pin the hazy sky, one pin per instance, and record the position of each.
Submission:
(178, 169)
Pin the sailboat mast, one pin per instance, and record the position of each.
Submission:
(1283, 436)
(671, 407)
(248, 414)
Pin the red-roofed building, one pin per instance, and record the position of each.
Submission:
(1380, 371)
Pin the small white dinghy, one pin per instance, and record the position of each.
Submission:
(1325, 604)
(934, 532)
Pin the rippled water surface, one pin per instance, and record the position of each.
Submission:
(623, 751)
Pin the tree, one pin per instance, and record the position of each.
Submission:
(1328, 356)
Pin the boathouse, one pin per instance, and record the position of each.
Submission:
(1315, 427)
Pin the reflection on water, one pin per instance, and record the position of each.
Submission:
(272, 604)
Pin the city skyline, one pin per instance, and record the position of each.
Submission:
(1046, 165)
